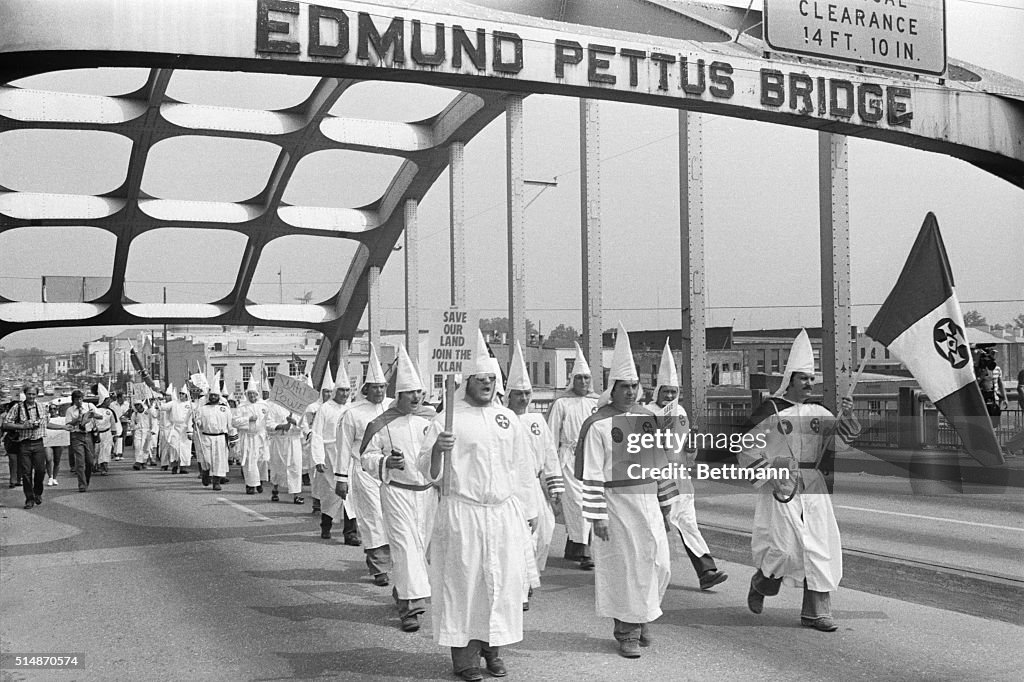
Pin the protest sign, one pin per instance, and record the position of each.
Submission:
(293, 394)
(453, 340)
(140, 391)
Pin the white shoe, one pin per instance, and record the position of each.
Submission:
(53, 481)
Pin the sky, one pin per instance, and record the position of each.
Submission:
(760, 199)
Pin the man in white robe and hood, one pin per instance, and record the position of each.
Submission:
(548, 484)
(629, 511)
(567, 414)
(795, 535)
(391, 452)
(323, 448)
(285, 432)
(308, 465)
(478, 567)
(214, 422)
(683, 514)
(365, 491)
(251, 421)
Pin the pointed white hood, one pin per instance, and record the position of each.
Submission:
(801, 359)
(374, 372)
(623, 367)
(667, 374)
(328, 383)
(518, 375)
(342, 380)
(408, 377)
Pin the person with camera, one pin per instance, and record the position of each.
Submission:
(28, 420)
(990, 381)
(407, 499)
(80, 422)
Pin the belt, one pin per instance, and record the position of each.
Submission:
(808, 465)
(31, 440)
(103, 431)
(410, 486)
(213, 434)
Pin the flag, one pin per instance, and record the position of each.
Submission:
(299, 363)
(921, 324)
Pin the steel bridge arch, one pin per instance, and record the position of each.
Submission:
(958, 114)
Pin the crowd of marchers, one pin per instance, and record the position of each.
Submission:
(457, 503)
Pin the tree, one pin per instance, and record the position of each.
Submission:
(564, 333)
(499, 325)
(972, 318)
(1019, 321)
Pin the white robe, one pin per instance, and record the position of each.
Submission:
(408, 514)
(477, 553)
(799, 540)
(164, 447)
(107, 426)
(547, 474)
(252, 439)
(683, 515)
(285, 449)
(214, 422)
(633, 566)
(323, 450)
(179, 423)
(565, 419)
(364, 491)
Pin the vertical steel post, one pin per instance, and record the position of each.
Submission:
(694, 389)
(374, 314)
(457, 218)
(834, 223)
(515, 170)
(590, 218)
(412, 282)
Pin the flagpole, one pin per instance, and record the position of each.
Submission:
(857, 376)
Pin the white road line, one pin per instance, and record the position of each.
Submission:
(932, 518)
(255, 514)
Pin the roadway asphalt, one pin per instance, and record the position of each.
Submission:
(155, 578)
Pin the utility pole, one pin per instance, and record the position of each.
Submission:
(167, 370)
(280, 286)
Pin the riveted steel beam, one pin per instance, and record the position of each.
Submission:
(834, 228)
(694, 389)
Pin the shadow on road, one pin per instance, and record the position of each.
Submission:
(355, 663)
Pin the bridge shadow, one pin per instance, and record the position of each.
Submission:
(356, 663)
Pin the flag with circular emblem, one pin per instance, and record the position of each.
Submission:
(921, 324)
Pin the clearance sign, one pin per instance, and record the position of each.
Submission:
(530, 57)
(906, 35)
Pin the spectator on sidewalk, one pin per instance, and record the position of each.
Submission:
(28, 420)
(57, 441)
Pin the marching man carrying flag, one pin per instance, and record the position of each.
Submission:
(795, 535)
